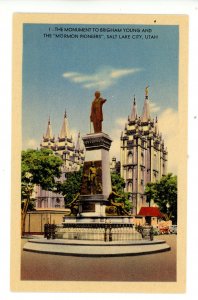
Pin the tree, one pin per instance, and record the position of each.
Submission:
(150, 192)
(164, 194)
(117, 182)
(38, 167)
(118, 185)
(71, 186)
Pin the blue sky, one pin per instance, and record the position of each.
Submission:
(64, 73)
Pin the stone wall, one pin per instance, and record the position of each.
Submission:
(35, 221)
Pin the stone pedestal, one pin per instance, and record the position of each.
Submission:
(96, 185)
(92, 205)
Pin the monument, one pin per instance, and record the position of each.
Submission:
(88, 231)
(89, 208)
(96, 183)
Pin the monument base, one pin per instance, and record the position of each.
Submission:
(92, 205)
(97, 152)
(95, 228)
(98, 220)
(96, 248)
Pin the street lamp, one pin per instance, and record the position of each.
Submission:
(167, 207)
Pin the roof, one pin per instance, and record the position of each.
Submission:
(49, 134)
(51, 210)
(65, 128)
(150, 212)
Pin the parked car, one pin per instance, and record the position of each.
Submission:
(164, 230)
(173, 229)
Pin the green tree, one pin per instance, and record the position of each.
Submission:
(71, 186)
(118, 185)
(38, 167)
(164, 194)
(150, 192)
(117, 182)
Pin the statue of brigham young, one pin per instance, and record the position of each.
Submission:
(96, 116)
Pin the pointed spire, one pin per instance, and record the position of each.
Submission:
(156, 126)
(146, 92)
(65, 128)
(78, 142)
(146, 109)
(49, 134)
(134, 110)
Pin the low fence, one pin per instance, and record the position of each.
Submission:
(97, 232)
(50, 231)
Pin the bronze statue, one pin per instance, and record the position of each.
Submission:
(121, 211)
(92, 177)
(73, 205)
(96, 116)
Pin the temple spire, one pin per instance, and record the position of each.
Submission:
(134, 111)
(65, 115)
(146, 92)
(78, 143)
(156, 125)
(146, 109)
(65, 128)
(49, 134)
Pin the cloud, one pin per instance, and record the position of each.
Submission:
(154, 107)
(121, 122)
(115, 135)
(123, 72)
(101, 79)
(168, 126)
(31, 144)
(74, 133)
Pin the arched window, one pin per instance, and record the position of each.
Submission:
(130, 158)
(130, 173)
(142, 158)
(129, 187)
(155, 161)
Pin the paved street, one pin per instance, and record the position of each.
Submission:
(152, 267)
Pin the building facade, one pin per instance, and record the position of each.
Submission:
(143, 155)
(73, 155)
(72, 152)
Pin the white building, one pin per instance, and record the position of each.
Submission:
(72, 154)
(143, 156)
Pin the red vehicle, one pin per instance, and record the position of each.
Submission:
(164, 230)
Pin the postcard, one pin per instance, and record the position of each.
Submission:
(99, 153)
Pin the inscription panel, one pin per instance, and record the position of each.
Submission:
(88, 207)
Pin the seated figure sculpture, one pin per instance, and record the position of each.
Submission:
(118, 205)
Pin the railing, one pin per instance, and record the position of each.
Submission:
(50, 231)
(107, 232)
(102, 232)
(147, 232)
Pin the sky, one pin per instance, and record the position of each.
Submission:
(63, 66)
